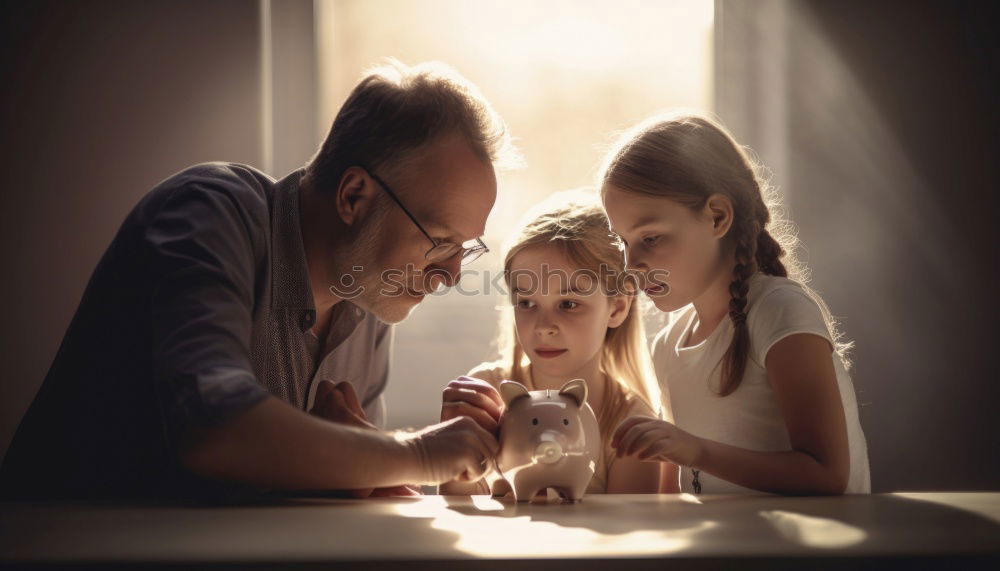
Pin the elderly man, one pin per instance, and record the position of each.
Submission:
(228, 302)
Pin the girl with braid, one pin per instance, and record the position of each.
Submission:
(750, 364)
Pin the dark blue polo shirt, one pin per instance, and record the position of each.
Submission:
(199, 309)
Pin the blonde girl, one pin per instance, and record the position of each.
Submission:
(571, 315)
(758, 382)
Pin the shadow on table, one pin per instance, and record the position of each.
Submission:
(832, 526)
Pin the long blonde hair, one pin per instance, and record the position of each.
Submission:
(687, 158)
(575, 223)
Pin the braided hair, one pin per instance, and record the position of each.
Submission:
(755, 249)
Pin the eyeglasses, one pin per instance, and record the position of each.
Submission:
(441, 250)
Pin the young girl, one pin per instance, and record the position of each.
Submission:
(751, 358)
(569, 320)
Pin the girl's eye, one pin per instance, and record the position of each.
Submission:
(570, 304)
(525, 304)
(650, 240)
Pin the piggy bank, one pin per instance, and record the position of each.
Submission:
(548, 439)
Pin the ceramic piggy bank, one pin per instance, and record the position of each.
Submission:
(548, 439)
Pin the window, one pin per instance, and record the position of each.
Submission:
(565, 75)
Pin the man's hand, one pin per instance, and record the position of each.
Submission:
(653, 439)
(339, 403)
(458, 449)
(475, 399)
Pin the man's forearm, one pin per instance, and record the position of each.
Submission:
(273, 445)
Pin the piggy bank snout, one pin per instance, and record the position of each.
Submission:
(548, 452)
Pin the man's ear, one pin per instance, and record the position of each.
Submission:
(355, 195)
(720, 208)
(620, 304)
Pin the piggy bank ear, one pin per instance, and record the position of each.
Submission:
(576, 389)
(511, 391)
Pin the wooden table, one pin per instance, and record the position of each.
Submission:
(606, 532)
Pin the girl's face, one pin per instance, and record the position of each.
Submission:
(678, 250)
(561, 313)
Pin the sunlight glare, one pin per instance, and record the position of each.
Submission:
(489, 535)
(811, 531)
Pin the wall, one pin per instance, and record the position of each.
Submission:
(879, 121)
(100, 101)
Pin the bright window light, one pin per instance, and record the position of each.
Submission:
(565, 75)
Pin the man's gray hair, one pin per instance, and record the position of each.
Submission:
(395, 111)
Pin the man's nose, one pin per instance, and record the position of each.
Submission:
(446, 273)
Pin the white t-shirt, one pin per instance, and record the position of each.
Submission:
(749, 417)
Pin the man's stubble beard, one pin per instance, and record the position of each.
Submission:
(379, 297)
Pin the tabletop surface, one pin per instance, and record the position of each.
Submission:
(462, 531)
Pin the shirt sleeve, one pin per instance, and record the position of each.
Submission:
(782, 312)
(202, 264)
(374, 400)
(655, 353)
(638, 407)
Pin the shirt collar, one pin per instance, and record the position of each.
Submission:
(289, 273)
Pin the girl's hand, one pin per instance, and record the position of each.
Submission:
(475, 399)
(650, 438)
